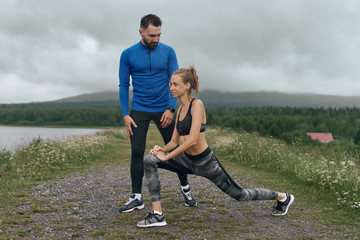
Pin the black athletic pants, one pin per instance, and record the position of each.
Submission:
(138, 142)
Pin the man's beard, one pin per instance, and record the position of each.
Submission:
(150, 45)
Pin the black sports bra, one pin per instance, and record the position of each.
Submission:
(183, 127)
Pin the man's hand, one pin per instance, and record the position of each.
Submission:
(166, 118)
(128, 123)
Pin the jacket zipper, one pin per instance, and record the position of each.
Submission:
(150, 60)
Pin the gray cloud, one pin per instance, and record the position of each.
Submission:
(54, 49)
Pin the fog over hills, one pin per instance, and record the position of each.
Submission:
(212, 99)
(92, 97)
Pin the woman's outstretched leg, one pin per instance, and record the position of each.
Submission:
(211, 168)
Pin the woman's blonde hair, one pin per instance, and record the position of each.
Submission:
(189, 75)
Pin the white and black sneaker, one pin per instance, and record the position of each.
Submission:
(188, 198)
(153, 220)
(132, 204)
(281, 208)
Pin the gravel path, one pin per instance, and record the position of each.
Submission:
(84, 206)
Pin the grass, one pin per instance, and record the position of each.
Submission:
(322, 166)
(319, 177)
(324, 179)
(42, 160)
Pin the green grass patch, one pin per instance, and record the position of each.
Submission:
(119, 234)
(42, 160)
(97, 233)
(325, 167)
(324, 178)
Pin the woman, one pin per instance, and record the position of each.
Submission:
(193, 155)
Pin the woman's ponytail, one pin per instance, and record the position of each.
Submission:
(195, 82)
(189, 75)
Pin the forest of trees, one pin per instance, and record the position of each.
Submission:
(290, 124)
(61, 116)
(287, 123)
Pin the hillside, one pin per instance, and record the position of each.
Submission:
(91, 97)
(213, 99)
(276, 99)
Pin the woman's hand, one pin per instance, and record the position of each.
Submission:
(159, 152)
(161, 155)
(155, 150)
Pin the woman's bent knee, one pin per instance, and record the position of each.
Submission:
(150, 160)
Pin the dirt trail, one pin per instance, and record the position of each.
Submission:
(84, 206)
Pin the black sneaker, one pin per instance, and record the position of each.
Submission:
(188, 197)
(153, 220)
(281, 208)
(132, 204)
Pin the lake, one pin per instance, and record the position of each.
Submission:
(12, 137)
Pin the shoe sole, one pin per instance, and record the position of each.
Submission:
(160, 224)
(291, 201)
(189, 205)
(132, 209)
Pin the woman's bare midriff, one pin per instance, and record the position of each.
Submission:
(200, 146)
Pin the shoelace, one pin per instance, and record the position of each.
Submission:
(278, 205)
(188, 195)
(129, 201)
(153, 215)
(147, 219)
(149, 216)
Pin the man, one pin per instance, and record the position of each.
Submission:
(150, 64)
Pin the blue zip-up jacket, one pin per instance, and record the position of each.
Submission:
(150, 70)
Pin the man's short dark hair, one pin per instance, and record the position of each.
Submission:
(150, 19)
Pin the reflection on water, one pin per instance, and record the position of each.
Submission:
(12, 137)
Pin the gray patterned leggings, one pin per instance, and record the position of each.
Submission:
(206, 165)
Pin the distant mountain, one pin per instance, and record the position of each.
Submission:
(216, 99)
(276, 99)
(213, 99)
(91, 97)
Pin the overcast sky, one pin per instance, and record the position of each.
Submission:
(54, 49)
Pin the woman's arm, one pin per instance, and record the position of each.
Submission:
(197, 113)
(174, 142)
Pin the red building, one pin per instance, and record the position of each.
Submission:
(322, 137)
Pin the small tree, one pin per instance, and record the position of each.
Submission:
(357, 137)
